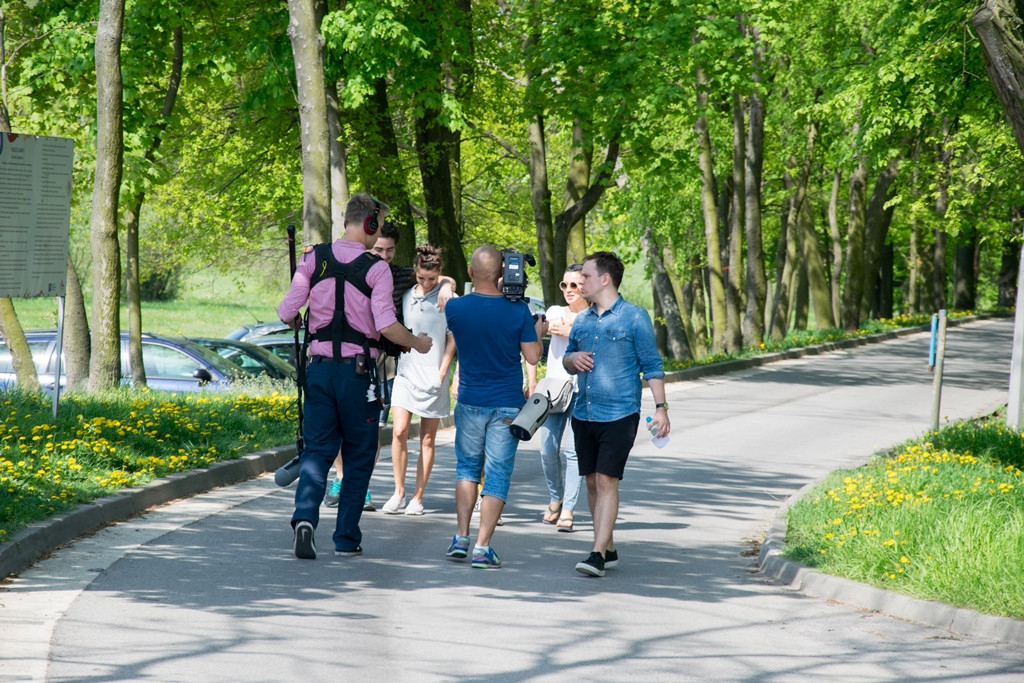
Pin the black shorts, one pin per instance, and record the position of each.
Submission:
(603, 447)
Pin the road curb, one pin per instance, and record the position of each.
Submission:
(804, 579)
(41, 538)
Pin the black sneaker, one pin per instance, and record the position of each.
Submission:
(611, 559)
(358, 550)
(592, 566)
(305, 548)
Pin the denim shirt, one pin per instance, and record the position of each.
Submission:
(622, 339)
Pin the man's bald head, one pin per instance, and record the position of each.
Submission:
(485, 267)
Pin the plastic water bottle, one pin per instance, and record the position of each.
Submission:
(658, 441)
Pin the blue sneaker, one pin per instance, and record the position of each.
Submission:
(459, 548)
(333, 493)
(368, 505)
(485, 558)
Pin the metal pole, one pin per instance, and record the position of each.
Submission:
(940, 356)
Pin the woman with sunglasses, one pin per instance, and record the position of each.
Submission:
(560, 468)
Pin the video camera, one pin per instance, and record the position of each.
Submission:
(513, 273)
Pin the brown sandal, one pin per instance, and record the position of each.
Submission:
(565, 524)
(551, 516)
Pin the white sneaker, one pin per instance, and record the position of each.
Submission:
(394, 506)
(414, 508)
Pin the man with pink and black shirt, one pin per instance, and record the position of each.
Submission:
(340, 410)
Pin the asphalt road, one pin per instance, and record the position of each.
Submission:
(207, 589)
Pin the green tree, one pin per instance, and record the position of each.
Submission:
(105, 361)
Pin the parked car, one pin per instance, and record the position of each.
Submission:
(248, 331)
(172, 363)
(254, 360)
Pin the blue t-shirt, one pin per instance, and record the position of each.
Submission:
(488, 329)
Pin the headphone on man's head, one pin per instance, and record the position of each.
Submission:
(370, 224)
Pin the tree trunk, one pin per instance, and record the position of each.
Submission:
(379, 168)
(878, 218)
(460, 75)
(886, 277)
(1008, 267)
(433, 151)
(837, 246)
(1001, 33)
(853, 291)
(133, 216)
(1000, 28)
(581, 157)
(77, 347)
(817, 282)
(339, 161)
(304, 17)
(734, 281)
(575, 213)
(678, 347)
(537, 164)
(21, 356)
(540, 201)
(679, 290)
(5, 121)
(786, 264)
(756, 282)
(801, 290)
(710, 210)
(915, 272)
(941, 206)
(660, 332)
(693, 304)
(965, 273)
(105, 360)
(780, 309)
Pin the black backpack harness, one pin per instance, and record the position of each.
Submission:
(339, 329)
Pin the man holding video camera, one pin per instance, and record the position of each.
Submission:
(490, 331)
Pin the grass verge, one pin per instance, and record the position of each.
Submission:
(939, 518)
(103, 443)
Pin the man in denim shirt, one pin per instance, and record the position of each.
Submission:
(610, 345)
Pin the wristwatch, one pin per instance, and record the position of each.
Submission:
(661, 405)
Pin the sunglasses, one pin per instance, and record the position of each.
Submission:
(568, 285)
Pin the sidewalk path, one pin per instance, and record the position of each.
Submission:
(206, 589)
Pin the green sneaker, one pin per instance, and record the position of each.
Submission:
(485, 558)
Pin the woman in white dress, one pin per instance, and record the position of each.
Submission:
(421, 383)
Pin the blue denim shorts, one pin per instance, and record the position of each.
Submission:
(484, 443)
